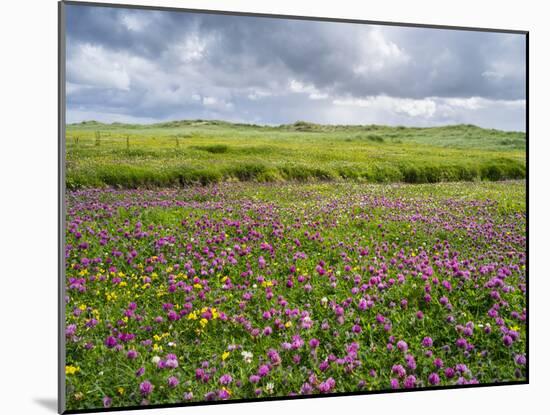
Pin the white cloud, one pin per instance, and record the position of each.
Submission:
(76, 115)
(509, 114)
(191, 49)
(95, 66)
(71, 88)
(134, 22)
(501, 70)
(492, 75)
(378, 53)
(318, 95)
(472, 103)
(301, 88)
(258, 94)
(217, 104)
(424, 108)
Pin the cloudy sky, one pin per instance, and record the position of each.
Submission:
(145, 66)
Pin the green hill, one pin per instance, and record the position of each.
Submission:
(188, 151)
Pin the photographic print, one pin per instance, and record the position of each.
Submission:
(266, 207)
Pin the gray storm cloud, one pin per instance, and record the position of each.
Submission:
(143, 66)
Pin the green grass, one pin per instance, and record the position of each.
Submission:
(181, 153)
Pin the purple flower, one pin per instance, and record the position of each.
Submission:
(261, 262)
(394, 383)
(411, 362)
(173, 381)
(170, 363)
(399, 370)
(70, 331)
(223, 394)
(225, 379)
(427, 342)
(254, 379)
(146, 387)
(409, 382)
(313, 343)
(520, 359)
(210, 396)
(449, 372)
(402, 345)
(132, 354)
(507, 340)
(263, 370)
(306, 389)
(107, 402)
(461, 368)
(433, 378)
(462, 343)
(111, 342)
(327, 385)
(274, 357)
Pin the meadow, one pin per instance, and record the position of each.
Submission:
(207, 260)
(245, 289)
(183, 153)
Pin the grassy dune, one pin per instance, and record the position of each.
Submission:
(194, 151)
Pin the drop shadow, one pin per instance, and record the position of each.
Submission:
(48, 403)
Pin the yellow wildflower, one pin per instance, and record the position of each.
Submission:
(71, 370)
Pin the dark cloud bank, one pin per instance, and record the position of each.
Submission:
(144, 66)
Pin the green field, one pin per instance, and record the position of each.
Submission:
(190, 152)
(330, 259)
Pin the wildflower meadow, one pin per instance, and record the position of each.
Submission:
(243, 290)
